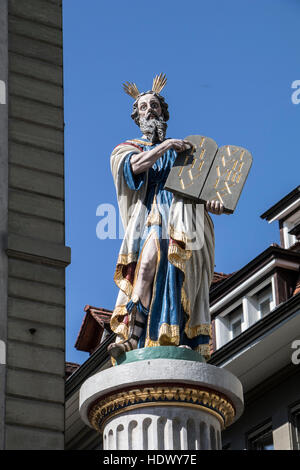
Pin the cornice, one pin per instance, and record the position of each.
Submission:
(39, 251)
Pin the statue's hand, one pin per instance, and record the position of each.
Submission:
(215, 207)
(179, 145)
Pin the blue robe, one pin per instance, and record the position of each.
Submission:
(166, 309)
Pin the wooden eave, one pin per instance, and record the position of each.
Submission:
(282, 204)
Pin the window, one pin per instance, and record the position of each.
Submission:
(288, 238)
(261, 438)
(265, 307)
(295, 425)
(236, 328)
(240, 314)
(264, 300)
(235, 320)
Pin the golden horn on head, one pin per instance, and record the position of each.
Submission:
(131, 89)
(159, 83)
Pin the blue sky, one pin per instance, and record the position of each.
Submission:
(230, 67)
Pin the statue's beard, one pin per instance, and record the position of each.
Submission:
(154, 129)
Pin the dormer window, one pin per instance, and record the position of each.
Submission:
(235, 320)
(247, 310)
(229, 324)
(264, 301)
(236, 328)
(264, 307)
(288, 238)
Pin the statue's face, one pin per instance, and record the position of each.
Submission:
(149, 107)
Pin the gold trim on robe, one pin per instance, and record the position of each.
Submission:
(116, 321)
(154, 217)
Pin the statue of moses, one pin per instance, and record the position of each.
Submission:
(166, 261)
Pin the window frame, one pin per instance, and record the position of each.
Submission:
(238, 317)
(259, 431)
(294, 409)
(264, 297)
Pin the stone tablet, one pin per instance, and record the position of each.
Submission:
(206, 173)
(227, 176)
(190, 170)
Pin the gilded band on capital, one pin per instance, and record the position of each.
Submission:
(213, 402)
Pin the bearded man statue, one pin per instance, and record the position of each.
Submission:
(163, 275)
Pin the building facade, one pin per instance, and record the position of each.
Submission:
(256, 317)
(33, 255)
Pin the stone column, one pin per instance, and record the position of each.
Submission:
(171, 403)
(163, 428)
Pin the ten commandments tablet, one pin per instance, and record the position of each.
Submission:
(206, 172)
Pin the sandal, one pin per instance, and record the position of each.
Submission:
(135, 308)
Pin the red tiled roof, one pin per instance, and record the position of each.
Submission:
(218, 277)
(95, 321)
(101, 315)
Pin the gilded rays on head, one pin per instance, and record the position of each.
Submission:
(159, 83)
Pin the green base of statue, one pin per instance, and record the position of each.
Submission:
(159, 352)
